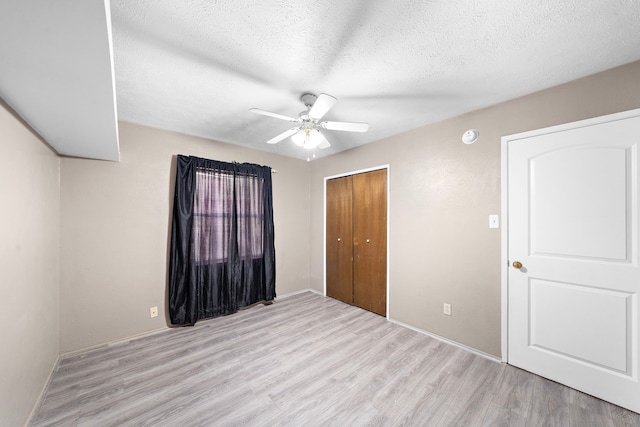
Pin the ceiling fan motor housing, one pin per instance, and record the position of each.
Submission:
(308, 99)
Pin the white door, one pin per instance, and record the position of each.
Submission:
(573, 225)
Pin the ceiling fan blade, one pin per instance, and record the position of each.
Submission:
(349, 127)
(270, 114)
(283, 135)
(323, 104)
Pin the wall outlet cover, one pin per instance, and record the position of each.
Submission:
(446, 309)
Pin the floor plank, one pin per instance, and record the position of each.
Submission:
(306, 360)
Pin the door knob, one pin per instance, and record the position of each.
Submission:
(517, 264)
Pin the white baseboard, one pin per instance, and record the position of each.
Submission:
(448, 341)
(155, 331)
(38, 402)
(413, 328)
(110, 343)
(290, 294)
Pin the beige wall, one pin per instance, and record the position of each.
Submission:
(441, 194)
(116, 225)
(84, 242)
(29, 243)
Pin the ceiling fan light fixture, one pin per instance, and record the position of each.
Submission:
(308, 138)
(315, 139)
(298, 137)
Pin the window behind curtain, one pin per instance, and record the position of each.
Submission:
(213, 217)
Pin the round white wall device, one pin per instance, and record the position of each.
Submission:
(470, 136)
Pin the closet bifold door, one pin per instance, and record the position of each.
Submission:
(370, 241)
(339, 233)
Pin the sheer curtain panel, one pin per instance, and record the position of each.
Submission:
(222, 246)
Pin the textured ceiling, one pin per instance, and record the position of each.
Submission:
(197, 66)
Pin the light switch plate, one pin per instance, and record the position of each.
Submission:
(494, 221)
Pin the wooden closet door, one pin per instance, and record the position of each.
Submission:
(339, 239)
(370, 241)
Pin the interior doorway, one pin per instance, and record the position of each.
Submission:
(571, 275)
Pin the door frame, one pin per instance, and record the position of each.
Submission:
(324, 225)
(504, 181)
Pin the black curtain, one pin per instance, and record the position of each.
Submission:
(222, 240)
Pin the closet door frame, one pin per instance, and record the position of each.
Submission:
(324, 229)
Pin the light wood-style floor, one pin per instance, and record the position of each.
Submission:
(306, 360)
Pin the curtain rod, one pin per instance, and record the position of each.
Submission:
(197, 171)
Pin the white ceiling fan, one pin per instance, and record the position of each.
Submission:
(308, 134)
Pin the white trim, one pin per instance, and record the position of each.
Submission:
(356, 172)
(73, 353)
(302, 291)
(78, 352)
(324, 237)
(504, 250)
(574, 125)
(38, 402)
(505, 203)
(413, 328)
(324, 227)
(388, 167)
(448, 341)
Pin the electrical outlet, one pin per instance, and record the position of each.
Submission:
(153, 312)
(446, 309)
